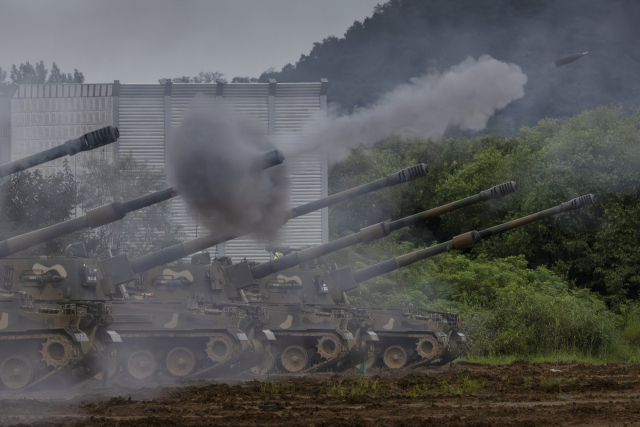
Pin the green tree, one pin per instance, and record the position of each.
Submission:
(57, 76)
(596, 152)
(3, 79)
(244, 80)
(28, 74)
(31, 200)
(139, 232)
(202, 77)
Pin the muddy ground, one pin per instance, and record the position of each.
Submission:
(520, 394)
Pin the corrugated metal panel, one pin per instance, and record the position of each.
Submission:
(66, 90)
(247, 99)
(43, 116)
(141, 123)
(5, 129)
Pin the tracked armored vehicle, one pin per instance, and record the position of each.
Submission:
(307, 284)
(402, 339)
(159, 331)
(48, 334)
(307, 338)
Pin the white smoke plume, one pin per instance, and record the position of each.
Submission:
(466, 95)
(214, 159)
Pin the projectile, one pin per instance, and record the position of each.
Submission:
(569, 59)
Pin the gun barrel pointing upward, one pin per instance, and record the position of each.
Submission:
(87, 142)
(459, 242)
(181, 250)
(375, 232)
(103, 215)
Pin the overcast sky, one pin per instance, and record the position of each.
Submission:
(140, 41)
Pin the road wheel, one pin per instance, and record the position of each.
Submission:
(395, 357)
(15, 372)
(180, 361)
(141, 364)
(294, 359)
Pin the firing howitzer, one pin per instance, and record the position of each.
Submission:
(179, 251)
(105, 214)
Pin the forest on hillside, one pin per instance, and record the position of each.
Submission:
(408, 38)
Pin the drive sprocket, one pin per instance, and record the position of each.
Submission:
(328, 347)
(220, 348)
(429, 348)
(59, 351)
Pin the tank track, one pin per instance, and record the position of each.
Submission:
(171, 340)
(40, 371)
(404, 336)
(340, 354)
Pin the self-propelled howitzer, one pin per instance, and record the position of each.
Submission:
(51, 339)
(394, 350)
(56, 312)
(87, 142)
(54, 322)
(172, 332)
(307, 286)
(295, 326)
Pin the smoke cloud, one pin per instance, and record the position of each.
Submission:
(466, 95)
(214, 158)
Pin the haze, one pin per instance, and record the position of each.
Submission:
(144, 40)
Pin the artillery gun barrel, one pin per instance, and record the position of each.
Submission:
(181, 250)
(87, 142)
(104, 215)
(462, 241)
(405, 175)
(374, 232)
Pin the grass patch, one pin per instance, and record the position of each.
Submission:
(622, 354)
(356, 388)
(277, 387)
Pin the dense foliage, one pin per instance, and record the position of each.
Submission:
(140, 232)
(30, 200)
(579, 271)
(407, 38)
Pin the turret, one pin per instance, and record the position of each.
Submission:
(87, 142)
(375, 232)
(176, 252)
(104, 215)
(346, 279)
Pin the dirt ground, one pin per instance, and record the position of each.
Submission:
(520, 394)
